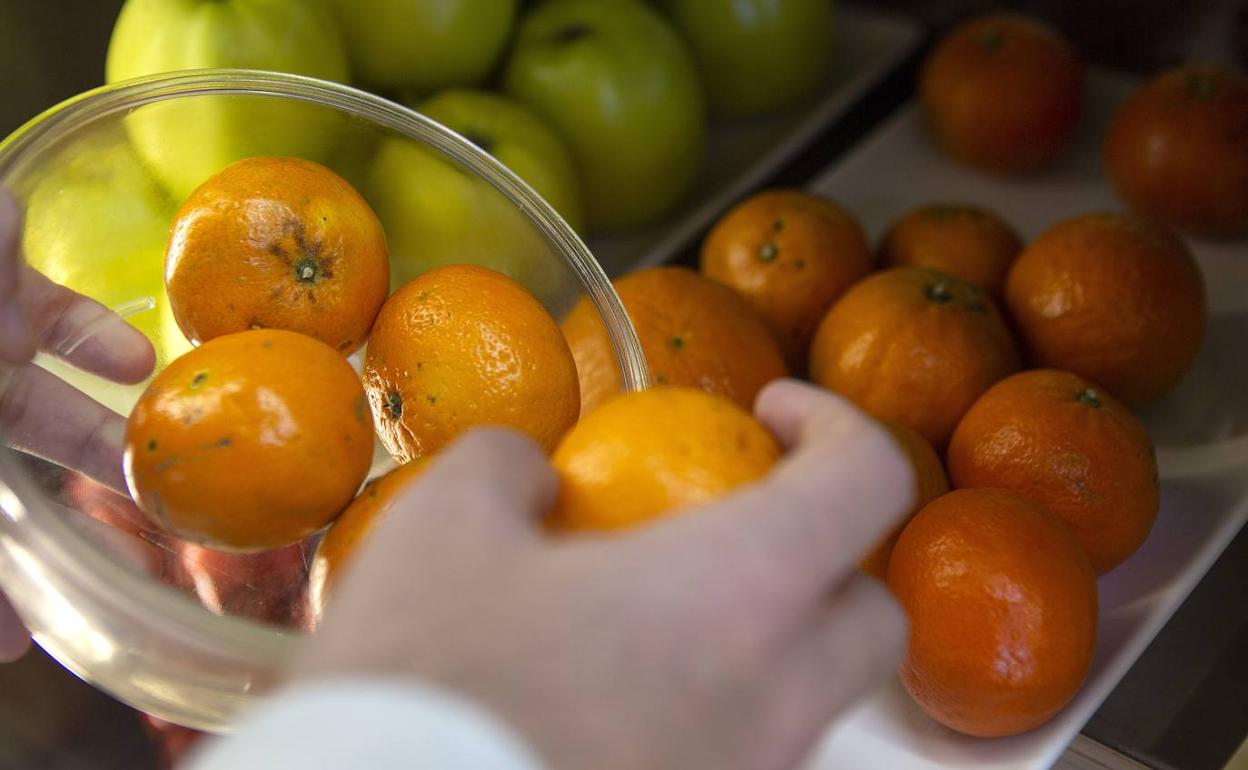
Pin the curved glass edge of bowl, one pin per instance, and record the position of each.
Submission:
(126, 95)
(136, 92)
(242, 650)
(246, 642)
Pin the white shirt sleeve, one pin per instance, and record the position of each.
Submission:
(366, 723)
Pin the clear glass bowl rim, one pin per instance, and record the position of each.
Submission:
(25, 519)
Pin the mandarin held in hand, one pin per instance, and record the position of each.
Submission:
(695, 332)
(1113, 298)
(964, 241)
(913, 346)
(1178, 150)
(647, 454)
(790, 254)
(1003, 92)
(1002, 606)
(462, 346)
(353, 528)
(251, 441)
(1074, 449)
(278, 243)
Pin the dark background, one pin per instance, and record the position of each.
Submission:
(53, 49)
(1181, 706)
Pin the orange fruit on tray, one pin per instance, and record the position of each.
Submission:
(1003, 92)
(930, 483)
(1061, 441)
(462, 346)
(965, 241)
(353, 527)
(279, 243)
(249, 442)
(1178, 150)
(695, 333)
(1002, 607)
(913, 346)
(647, 454)
(790, 254)
(1113, 298)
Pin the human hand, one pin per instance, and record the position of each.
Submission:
(726, 637)
(39, 413)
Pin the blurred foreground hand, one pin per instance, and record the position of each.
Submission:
(725, 637)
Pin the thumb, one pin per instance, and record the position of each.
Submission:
(491, 481)
(456, 522)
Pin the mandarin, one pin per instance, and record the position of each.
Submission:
(790, 254)
(971, 243)
(278, 243)
(1178, 150)
(695, 333)
(1003, 92)
(353, 527)
(648, 454)
(249, 442)
(913, 346)
(930, 483)
(1059, 440)
(462, 346)
(1002, 606)
(1113, 298)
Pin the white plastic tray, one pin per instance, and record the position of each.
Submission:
(1200, 430)
(742, 152)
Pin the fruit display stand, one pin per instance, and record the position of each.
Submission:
(1200, 430)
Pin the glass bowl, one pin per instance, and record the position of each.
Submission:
(183, 633)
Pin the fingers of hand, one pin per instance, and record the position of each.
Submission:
(87, 334)
(490, 478)
(44, 416)
(784, 406)
(456, 526)
(14, 640)
(854, 646)
(843, 486)
(16, 343)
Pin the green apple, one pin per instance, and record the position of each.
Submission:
(617, 82)
(97, 222)
(424, 45)
(519, 139)
(187, 140)
(436, 213)
(757, 55)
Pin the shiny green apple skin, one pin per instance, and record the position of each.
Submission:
(757, 56)
(436, 213)
(98, 223)
(616, 81)
(518, 139)
(424, 45)
(187, 140)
